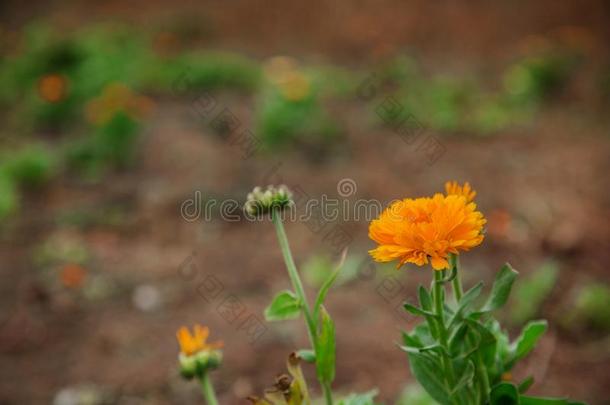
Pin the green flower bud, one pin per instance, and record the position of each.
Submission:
(197, 364)
(188, 366)
(261, 201)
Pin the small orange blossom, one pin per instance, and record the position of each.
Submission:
(196, 342)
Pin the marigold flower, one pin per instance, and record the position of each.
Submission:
(426, 230)
(452, 187)
(52, 88)
(196, 355)
(196, 342)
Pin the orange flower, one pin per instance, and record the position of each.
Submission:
(195, 343)
(72, 275)
(452, 187)
(52, 88)
(428, 229)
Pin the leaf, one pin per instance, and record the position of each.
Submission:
(457, 338)
(424, 298)
(325, 348)
(307, 355)
(527, 400)
(411, 340)
(501, 288)
(418, 311)
(525, 384)
(504, 394)
(284, 306)
(531, 292)
(467, 299)
(525, 343)
(429, 373)
(326, 286)
(486, 342)
(466, 379)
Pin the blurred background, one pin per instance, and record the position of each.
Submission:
(121, 121)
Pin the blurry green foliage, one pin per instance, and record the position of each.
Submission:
(87, 61)
(317, 268)
(590, 308)
(535, 77)
(531, 292)
(61, 248)
(414, 394)
(113, 142)
(9, 198)
(462, 104)
(202, 71)
(302, 120)
(30, 166)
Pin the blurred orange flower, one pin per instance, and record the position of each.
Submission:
(52, 87)
(72, 275)
(452, 187)
(426, 230)
(115, 98)
(196, 342)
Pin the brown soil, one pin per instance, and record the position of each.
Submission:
(551, 177)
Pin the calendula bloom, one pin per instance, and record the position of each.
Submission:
(196, 342)
(196, 355)
(426, 230)
(452, 187)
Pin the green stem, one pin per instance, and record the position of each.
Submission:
(328, 394)
(481, 370)
(300, 291)
(208, 389)
(457, 280)
(439, 309)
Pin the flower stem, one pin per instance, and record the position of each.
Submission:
(442, 330)
(457, 281)
(300, 291)
(208, 389)
(480, 368)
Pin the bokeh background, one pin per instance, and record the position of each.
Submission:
(115, 114)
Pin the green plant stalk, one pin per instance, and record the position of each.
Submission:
(300, 291)
(442, 330)
(481, 370)
(208, 389)
(456, 283)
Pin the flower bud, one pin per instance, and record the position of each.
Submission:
(261, 201)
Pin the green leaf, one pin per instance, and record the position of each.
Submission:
(531, 292)
(526, 384)
(284, 306)
(418, 311)
(527, 400)
(525, 343)
(457, 338)
(325, 348)
(467, 299)
(504, 394)
(424, 298)
(307, 355)
(326, 287)
(411, 340)
(501, 288)
(486, 342)
(466, 379)
(428, 371)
